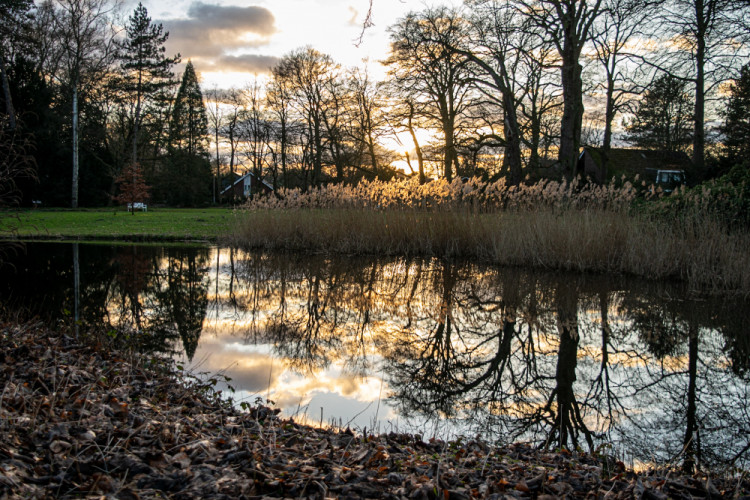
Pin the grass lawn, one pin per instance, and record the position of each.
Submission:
(156, 224)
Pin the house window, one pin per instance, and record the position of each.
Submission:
(248, 185)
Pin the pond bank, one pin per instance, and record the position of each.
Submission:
(80, 418)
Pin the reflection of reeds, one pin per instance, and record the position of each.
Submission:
(545, 225)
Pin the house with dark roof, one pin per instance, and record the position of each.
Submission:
(245, 185)
(630, 162)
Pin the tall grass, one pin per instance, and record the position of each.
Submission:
(549, 225)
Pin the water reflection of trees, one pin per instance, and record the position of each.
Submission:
(698, 378)
(553, 359)
(154, 295)
(161, 294)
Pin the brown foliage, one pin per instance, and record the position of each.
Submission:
(133, 188)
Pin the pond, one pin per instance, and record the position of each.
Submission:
(643, 371)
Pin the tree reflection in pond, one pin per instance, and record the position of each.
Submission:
(556, 359)
(560, 360)
(156, 295)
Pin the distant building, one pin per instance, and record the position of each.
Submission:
(630, 162)
(245, 185)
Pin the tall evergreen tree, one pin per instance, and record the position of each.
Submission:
(663, 119)
(189, 125)
(186, 177)
(146, 69)
(736, 128)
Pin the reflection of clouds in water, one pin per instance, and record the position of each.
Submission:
(252, 367)
(339, 319)
(249, 371)
(342, 411)
(292, 390)
(355, 388)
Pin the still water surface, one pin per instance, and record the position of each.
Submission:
(420, 345)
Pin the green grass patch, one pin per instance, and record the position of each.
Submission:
(157, 224)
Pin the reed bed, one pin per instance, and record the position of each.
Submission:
(548, 225)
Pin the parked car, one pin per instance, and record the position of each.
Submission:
(667, 180)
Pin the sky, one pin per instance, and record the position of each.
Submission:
(230, 40)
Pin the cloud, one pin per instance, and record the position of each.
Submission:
(247, 62)
(212, 32)
(253, 18)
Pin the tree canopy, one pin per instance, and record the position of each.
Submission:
(736, 127)
(189, 126)
(663, 119)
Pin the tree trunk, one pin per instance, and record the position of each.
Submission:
(699, 134)
(609, 116)
(572, 119)
(232, 149)
(535, 133)
(217, 185)
(420, 158)
(283, 152)
(137, 119)
(513, 140)
(371, 150)
(74, 188)
(318, 154)
(450, 148)
(6, 94)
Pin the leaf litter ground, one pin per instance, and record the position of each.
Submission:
(82, 420)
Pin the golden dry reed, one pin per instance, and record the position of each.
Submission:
(549, 225)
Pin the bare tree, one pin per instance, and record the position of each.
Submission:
(502, 37)
(86, 37)
(16, 163)
(278, 97)
(621, 22)
(337, 119)
(427, 71)
(567, 25)
(704, 41)
(216, 116)
(368, 116)
(307, 71)
(539, 110)
(254, 128)
(235, 98)
(14, 17)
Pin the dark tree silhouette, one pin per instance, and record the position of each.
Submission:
(146, 71)
(189, 126)
(736, 127)
(662, 119)
(424, 69)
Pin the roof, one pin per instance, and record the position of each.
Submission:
(242, 178)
